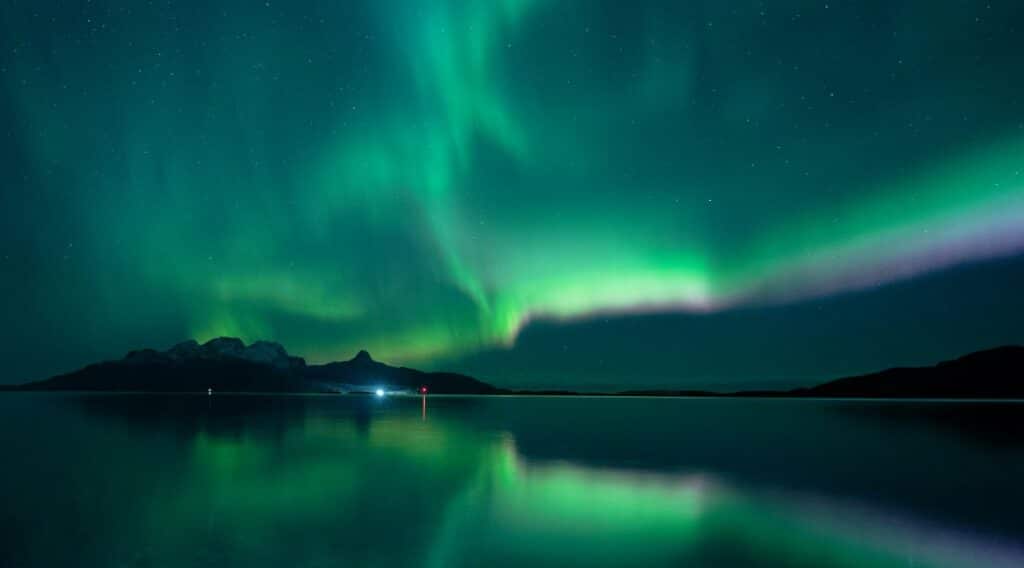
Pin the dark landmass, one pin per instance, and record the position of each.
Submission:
(555, 392)
(993, 373)
(669, 392)
(228, 365)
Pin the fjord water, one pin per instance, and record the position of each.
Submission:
(190, 480)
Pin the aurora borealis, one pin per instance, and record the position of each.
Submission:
(539, 192)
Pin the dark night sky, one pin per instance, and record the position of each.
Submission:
(542, 193)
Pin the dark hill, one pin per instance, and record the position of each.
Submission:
(363, 370)
(993, 373)
(227, 365)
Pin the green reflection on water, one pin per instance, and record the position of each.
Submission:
(401, 490)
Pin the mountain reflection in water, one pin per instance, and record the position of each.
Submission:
(316, 481)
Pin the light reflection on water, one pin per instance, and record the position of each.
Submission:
(320, 481)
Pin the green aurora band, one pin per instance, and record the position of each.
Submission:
(424, 178)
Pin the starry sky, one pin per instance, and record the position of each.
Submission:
(568, 194)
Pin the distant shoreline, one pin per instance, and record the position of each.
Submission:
(227, 366)
(730, 396)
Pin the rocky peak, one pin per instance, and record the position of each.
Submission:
(224, 346)
(260, 352)
(142, 356)
(267, 352)
(183, 350)
(362, 357)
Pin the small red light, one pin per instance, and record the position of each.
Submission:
(423, 390)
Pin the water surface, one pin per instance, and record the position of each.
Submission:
(156, 480)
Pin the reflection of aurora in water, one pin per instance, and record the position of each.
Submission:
(163, 481)
(568, 514)
(398, 490)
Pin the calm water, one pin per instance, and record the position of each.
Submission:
(133, 480)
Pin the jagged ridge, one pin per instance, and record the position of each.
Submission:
(226, 364)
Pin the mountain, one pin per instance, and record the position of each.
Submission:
(993, 373)
(226, 364)
(363, 371)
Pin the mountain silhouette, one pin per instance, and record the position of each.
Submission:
(226, 364)
(992, 373)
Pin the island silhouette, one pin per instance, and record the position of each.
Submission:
(227, 364)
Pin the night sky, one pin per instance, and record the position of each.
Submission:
(541, 193)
